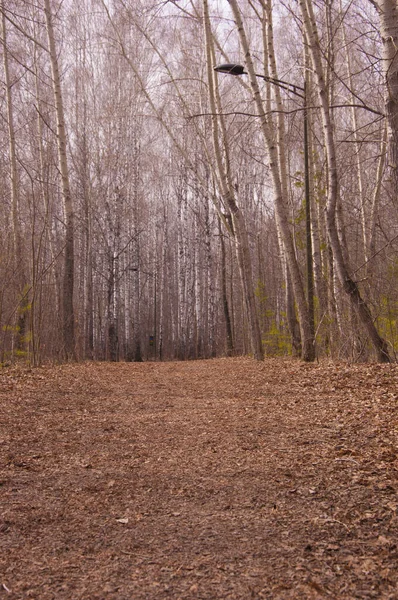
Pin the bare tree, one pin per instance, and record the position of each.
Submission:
(349, 285)
(388, 12)
(68, 283)
(308, 347)
(238, 225)
(19, 265)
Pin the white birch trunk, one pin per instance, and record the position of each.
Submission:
(210, 287)
(181, 281)
(349, 285)
(239, 226)
(68, 283)
(200, 332)
(273, 90)
(375, 200)
(388, 10)
(308, 348)
(357, 146)
(19, 259)
(161, 284)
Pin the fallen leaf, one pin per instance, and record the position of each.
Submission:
(383, 541)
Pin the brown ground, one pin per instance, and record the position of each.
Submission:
(212, 479)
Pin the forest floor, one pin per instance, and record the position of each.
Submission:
(218, 479)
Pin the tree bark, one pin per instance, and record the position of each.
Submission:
(375, 201)
(388, 10)
(270, 70)
(348, 284)
(308, 347)
(19, 259)
(68, 282)
(239, 225)
(224, 294)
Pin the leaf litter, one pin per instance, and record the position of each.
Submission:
(225, 478)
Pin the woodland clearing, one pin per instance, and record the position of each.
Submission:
(218, 479)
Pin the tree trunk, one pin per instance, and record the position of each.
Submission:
(224, 293)
(239, 225)
(270, 70)
(68, 283)
(375, 202)
(308, 347)
(349, 285)
(388, 10)
(19, 259)
(357, 145)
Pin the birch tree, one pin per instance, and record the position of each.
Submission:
(177, 194)
(346, 280)
(68, 282)
(19, 265)
(308, 346)
(238, 224)
(388, 12)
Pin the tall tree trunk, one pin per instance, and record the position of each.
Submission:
(375, 201)
(161, 283)
(349, 285)
(19, 259)
(239, 225)
(210, 288)
(180, 342)
(316, 200)
(388, 10)
(136, 197)
(224, 293)
(357, 144)
(308, 348)
(270, 70)
(47, 236)
(89, 284)
(68, 283)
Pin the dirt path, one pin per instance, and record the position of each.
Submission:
(212, 479)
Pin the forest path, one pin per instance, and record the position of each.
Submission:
(224, 478)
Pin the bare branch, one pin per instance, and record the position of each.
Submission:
(21, 30)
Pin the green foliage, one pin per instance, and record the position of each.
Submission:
(300, 216)
(388, 319)
(393, 269)
(11, 328)
(23, 308)
(25, 305)
(299, 183)
(277, 341)
(323, 246)
(27, 338)
(260, 292)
